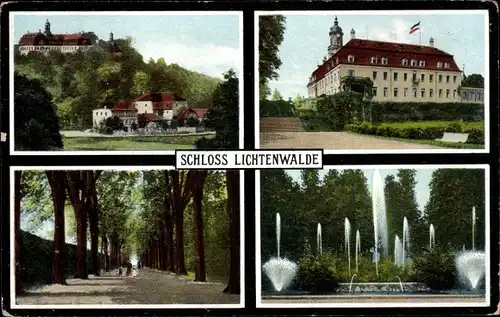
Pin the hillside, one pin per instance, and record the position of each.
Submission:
(93, 79)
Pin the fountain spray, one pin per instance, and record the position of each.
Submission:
(473, 227)
(358, 248)
(347, 239)
(278, 232)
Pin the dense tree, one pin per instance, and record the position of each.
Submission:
(271, 34)
(473, 81)
(36, 126)
(276, 95)
(17, 223)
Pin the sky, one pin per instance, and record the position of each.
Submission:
(423, 178)
(206, 44)
(306, 40)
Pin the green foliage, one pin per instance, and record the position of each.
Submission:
(110, 124)
(36, 202)
(436, 268)
(271, 34)
(174, 124)
(276, 108)
(223, 115)
(276, 95)
(342, 108)
(473, 81)
(36, 126)
(319, 273)
(191, 121)
(362, 85)
(419, 130)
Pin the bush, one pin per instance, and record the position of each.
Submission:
(164, 124)
(436, 268)
(455, 127)
(191, 121)
(133, 126)
(318, 273)
(174, 124)
(276, 108)
(476, 136)
(111, 124)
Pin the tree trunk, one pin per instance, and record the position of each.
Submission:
(200, 274)
(81, 245)
(17, 227)
(58, 190)
(93, 222)
(168, 223)
(105, 251)
(233, 199)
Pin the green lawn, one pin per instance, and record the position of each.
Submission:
(131, 143)
(427, 124)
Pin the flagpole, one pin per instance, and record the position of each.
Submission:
(420, 36)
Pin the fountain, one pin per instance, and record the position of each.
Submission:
(280, 271)
(432, 237)
(319, 240)
(379, 217)
(347, 240)
(473, 227)
(358, 248)
(471, 266)
(398, 251)
(406, 241)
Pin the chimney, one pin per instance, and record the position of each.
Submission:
(431, 42)
(353, 34)
(324, 59)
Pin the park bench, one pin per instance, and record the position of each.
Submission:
(454, 137)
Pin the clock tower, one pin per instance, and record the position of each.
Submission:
(336, 36)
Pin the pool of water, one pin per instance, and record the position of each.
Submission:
(432, 292)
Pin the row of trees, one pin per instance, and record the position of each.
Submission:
(340, 194)
(130, 212)
(83, 81)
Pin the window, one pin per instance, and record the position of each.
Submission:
(414, 78)
(350, 58)
(421, 63)
(385, 91)
(374, 91)
(395, 92)
(384, 60)
(439, 64)
(440, 93)
(405, 92)
(413, 62)
(440, 78)
(422, 77)
(350, 73)
(334, 76)
(422, 93)
(405, 77)
(446, 65)
(431, 93)
(374, 60)
(374, 75)
(447, 93)
(431, 78)
(395, 76)
(454, 93)
(385, 75)
(405, 62)
(454, 79)
(447, 79)
(414, 92)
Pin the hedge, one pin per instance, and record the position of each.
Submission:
(276, 108)
(476, 136)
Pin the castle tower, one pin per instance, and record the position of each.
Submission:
(353, 34)
(47, 28)
(431, 42)
(336, 38)
(111, 37)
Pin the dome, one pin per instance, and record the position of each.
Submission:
(335, 28)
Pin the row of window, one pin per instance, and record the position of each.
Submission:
(49, 48)
(415, 93)
(404, 62)
(414, 77)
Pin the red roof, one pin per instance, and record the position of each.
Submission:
(160, 101)
(54, 39)
(148, 117)
(200, 112)
(364, 50)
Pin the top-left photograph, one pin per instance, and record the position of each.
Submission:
(125, 82)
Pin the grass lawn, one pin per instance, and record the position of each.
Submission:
(427, 124)
(139, 143)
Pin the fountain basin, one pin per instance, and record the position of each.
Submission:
(394, 287)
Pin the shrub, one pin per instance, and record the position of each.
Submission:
(191, 121)
(455, 127)
(164, 124)
(436, 268)
(276, 108)
(318, 273)
(174, 124)
(133, 126)
(476, 136)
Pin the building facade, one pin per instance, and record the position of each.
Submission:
(148, 107)
(399, 72)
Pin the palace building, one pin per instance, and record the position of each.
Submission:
(399, 72)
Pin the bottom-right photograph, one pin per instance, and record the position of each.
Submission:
(374, 236)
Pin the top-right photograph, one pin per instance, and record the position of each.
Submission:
(373, 81)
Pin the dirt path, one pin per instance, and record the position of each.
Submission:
(149, 287)
(333, 141)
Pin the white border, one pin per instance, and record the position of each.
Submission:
(239, 14)
(289, 304)
(124, 306)
(485, 13)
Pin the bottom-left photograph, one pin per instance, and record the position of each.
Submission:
(126, 237)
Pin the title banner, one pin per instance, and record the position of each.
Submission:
(288, 159)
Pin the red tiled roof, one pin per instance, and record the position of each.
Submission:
(364, 50)
(200, 112)
(54, 39)
(160, 100)
(148, 117)
(124, 105)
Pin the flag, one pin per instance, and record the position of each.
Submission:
(415, 28)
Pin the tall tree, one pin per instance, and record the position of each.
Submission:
(58, 190)
(271, 34)
(233, 208)
(276, 95)
(199, 180)
(473, 81)
(93, 213)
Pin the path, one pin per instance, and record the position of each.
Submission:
(333, 141)
(149, 287)
(83, 134)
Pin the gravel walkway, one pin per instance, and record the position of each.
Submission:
(149, 287)
(333, 141)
